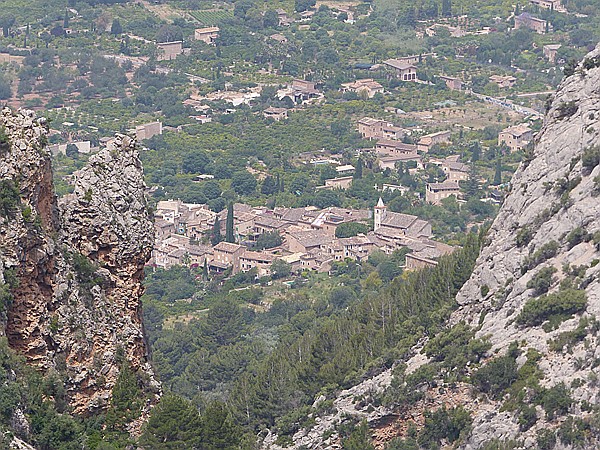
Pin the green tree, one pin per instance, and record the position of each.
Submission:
(116, 27)
(359, 439)
(447, 8)
(269, 240)
(270, 186)
(173, 424)
(224, 322)
(219, 431)
(72, 151)
(126, 400)
(229, 233)
(280, 269)
(472, 183)
(243, 182)
(270, 19)
(475, 151)
(358, 171)
(498, 173)
(215, 236)
(7, 21)
(349, 229)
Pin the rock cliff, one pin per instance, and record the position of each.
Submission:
(533, 299)
(76, 265)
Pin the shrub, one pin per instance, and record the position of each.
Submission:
(456, 346)
(572, 432)
(567, 109)
(591, 63)
(591, 157)
(566, 185)
(496, 376)
(542, 281)
(556, 400)
(85, 270)
(546, 439)
(577, 236)
(524, 236)
(545, 252)
(485, 289)
(570, 338)
(527, 417)
(444, 423)
(555, 308)
(10, 197)
(3, 140)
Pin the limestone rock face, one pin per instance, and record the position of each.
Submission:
(552, 197)
(79, 263)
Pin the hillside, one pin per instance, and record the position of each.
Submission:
(517, 366)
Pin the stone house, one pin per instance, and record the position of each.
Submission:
(280, 38)
(167, 51)
(429, 140)
(516, 137)
(392, 224)
(550, 51)
(436, 192)
(306, 241)
(367, 86)
(455, 171)
(276, 114)
(390, 162)
(378, 129)
(388, 147)
(260, 260)
(507, 81)
(225, 255)
(453, 83)
(148, 130)
(403, 71)
(526, 20)
(337, 183)
(208, 35)
(554, 5)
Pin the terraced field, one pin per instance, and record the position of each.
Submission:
(211, 17)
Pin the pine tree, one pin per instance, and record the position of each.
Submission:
(215, 236)
(229, 235)
(174, 423)
(498, 174)
(66, 19)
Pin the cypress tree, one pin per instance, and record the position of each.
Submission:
(215, 236)
(358, 170)
(205, 270)
(472, 187)
(475, 151)
(229, 236)
(498, 173)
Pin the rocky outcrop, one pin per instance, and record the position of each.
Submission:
(554, 199)
(79, 262)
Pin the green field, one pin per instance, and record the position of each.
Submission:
(211, 17)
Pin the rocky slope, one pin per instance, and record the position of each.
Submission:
(78, 264)
(543, 251)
